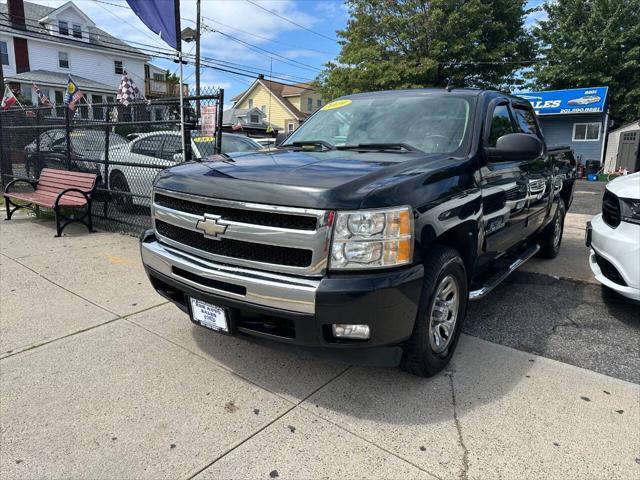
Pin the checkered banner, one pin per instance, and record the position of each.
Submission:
(128, 91)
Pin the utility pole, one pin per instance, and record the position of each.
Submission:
(198, 21)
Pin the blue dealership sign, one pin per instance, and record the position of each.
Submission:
(575, 100)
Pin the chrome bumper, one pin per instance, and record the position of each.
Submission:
(261, 288)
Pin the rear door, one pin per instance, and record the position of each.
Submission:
(504, 185)
(540, 170)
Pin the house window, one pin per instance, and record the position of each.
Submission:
(251, 103)
(255, 118)
(119, 69)
(4, 53)
(586, 132)
(63, 27)
(59, 98)
(263, 108)
(26, 93)
(318, 103)
(158, 77)
(77, 30)
(98, 111)
(290, 127)
(309, 104)
(63, 60)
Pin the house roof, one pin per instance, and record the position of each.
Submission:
(280, 91)
(243, 115)
(34, 13)
(59, 79)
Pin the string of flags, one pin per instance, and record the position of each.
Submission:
(128, 92)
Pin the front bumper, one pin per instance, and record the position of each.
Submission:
(295, 310)
(620, 249)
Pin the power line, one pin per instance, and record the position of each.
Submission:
(267, 53)
(291, 21)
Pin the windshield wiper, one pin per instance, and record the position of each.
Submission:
(311, 143)
(396, 147)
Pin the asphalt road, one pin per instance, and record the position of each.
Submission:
(571, 321)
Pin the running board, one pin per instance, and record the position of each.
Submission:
(497, 278)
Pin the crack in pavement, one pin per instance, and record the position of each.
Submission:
(464, 473)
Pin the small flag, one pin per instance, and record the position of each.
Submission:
(73, 95)
(237, 126)
(44, 100)
(76, 100)
(128, 91)
(9, 99)
(269, 129)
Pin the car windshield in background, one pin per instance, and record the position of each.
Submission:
(94, 141)
(422, 121)
(206, 145)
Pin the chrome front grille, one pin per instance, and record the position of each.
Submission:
(266, 237)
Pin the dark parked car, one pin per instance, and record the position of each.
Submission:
(368, 231)
(87, 147)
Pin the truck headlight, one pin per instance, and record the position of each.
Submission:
(630, 210)
(372, 239)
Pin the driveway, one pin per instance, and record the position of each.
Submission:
(101, 378)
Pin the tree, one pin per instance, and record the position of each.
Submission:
(589, 43)
(391, 44)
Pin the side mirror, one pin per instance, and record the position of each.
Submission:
(280, 138)
(178, 157)
(515, 146)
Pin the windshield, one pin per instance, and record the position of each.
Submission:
(427, 122)
(206, 145)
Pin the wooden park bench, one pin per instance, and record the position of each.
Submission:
(56, 189)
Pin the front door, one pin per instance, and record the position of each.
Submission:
(628, 151)
(504, 187)
(540, 171)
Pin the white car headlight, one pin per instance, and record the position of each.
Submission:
(372, 239)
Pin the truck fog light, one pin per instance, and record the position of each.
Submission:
(342, 330)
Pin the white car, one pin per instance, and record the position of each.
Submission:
(134, 165)
(614, 237)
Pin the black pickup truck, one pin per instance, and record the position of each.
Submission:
(368, 230)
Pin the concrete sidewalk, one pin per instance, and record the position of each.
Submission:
(100, 378)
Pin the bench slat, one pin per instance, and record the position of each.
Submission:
(66, 181)
(51, 185)
(70, 173)
(45, 200)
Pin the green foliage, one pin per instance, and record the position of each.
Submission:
(390, 44)
(588, 43)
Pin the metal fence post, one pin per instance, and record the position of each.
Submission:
(67, 125)
(219, 107)
(105, 180)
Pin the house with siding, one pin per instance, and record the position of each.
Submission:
(285, 106)
(44, 45)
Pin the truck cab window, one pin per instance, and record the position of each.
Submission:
(501, 124)
(526, 122)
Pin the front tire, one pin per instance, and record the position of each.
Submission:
(551, 237)
(442, 309)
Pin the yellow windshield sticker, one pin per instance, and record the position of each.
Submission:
(336, 104)
(204, 139)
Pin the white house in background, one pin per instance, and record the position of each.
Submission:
(44, 45)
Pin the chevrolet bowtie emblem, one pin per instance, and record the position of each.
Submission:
(211, 226)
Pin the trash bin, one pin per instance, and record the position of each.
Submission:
(592, 166)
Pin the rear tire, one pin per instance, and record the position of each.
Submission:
(551, 237)
(118, 183)
(442, 309)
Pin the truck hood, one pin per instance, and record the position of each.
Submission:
(327, 179)
(626, 186)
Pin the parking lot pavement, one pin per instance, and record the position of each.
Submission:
(557, 309)
(95, 386)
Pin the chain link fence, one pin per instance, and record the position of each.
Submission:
(125, 146)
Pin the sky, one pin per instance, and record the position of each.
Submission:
(248, 23)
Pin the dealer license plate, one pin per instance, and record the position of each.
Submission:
(209, 316)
